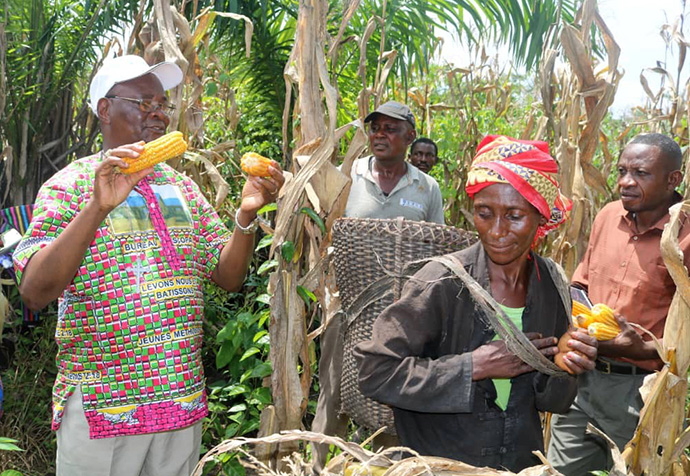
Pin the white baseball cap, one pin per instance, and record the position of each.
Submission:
(124, 68)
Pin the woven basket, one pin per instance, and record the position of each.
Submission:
(366, 251)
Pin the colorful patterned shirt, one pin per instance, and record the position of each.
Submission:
(129, 324)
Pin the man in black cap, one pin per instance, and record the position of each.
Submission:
(384, 185)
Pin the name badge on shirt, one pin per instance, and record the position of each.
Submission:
(409, 203)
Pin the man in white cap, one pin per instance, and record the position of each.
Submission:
(384, 185)
(127, 255)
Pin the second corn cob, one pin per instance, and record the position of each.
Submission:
(255, 164)
(602, 331)
(158, 150)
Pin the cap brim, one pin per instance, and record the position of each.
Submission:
(371, 116)
(168, 73)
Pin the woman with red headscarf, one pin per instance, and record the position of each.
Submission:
(456, 390)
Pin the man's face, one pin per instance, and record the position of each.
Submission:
(506, 223)
(423, 156)
(128, 123)
(389, 138)
(644, 181)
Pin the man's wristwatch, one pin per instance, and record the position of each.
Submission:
(249, 229)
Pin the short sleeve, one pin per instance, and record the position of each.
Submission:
(436, 205)
(57, 203)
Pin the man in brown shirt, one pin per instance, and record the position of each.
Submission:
(623, 268)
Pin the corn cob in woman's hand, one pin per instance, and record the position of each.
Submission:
(165, 147)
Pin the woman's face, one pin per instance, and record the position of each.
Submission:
(506, 223)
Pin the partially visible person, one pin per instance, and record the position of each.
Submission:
(623, 269)
(457, 391)
(423, 154)
(127, 256)
(383, 186)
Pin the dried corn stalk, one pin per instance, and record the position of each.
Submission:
(575, 103)
(319, 184)
(657, 446)
(296, 465)
(667, 109)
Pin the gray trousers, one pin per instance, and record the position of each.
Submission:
(328, 419)
(170, 453)
(612, 403)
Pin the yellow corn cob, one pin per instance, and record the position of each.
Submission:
(358, 469)
(602, 331)
(165, 147)
(255, 164)
(583, 320)
(579, 308)
(603, 313)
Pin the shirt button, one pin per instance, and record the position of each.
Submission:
(503, 450)
(635, 238)
(622, 264)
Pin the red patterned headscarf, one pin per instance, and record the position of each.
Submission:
(528, 167)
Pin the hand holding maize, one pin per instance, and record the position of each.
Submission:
(598, 321)
(165, 147)
(255, 164)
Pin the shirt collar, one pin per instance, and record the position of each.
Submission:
(659, 225)
(364, 168)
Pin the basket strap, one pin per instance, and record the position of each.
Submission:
(377, 290)
(515, 340)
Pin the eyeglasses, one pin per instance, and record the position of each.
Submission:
(148, 106)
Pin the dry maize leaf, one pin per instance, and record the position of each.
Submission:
(585, 17)
(613, 50)
(594, 179)
(325, 186)
(677, 327)
(577, 55)
(389, 56)
(661, 422)
(221, 186)
(236, 444)
(618, 468)
(368, 31)
(288, 337)
(349, 12)
(440, 466)
(248, 29)
(4, 310)
(682, 443)
(294, 192)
